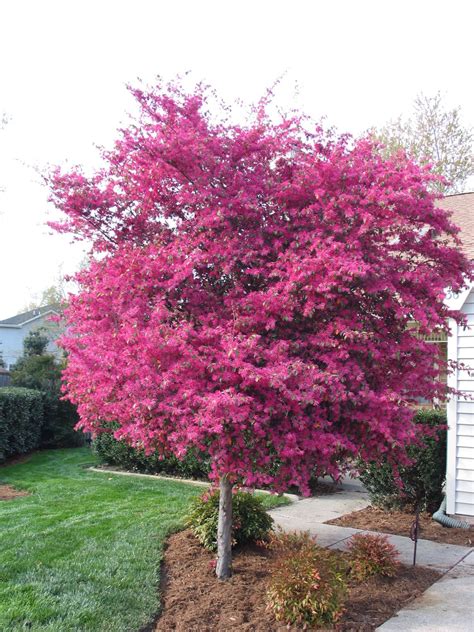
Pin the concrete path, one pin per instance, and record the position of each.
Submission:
(447, 606)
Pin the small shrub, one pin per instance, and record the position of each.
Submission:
(250, 521)
(372, 555)
(307, 585)
(422, 482)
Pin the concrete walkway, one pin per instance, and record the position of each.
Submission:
(447, 606)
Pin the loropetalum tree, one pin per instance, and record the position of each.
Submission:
(257, 291)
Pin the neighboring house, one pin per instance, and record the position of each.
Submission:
(460, 466)
(14, 330)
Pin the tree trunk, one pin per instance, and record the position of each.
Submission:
(224, 530)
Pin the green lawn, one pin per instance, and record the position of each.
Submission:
(82, 552)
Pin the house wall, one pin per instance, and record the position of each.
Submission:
(11, 338)
(460, 467)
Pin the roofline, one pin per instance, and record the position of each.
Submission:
(25, 322)
(456, 194)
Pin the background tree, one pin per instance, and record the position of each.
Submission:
(54, 295)
(2, 361)
(39, 370)
(35, 344)
(250, 294)
(434, 135)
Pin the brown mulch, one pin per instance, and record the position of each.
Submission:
(194, 600)
(322, 488)
(7, 492)
(399, 523)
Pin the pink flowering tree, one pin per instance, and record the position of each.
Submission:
(258, 292)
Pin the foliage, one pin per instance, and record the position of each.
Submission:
(420, 483)
(250, 521)
(83, 551)
(2, 361)
(436, 136)
(35, 343)
(41, 371)
(54, 296)
(21, 418)
(274, 273)
(119, 452)
(307, 585)
(59, 425)
(372, 555)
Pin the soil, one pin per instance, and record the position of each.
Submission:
(194, 600)
(399, 523)
(322, 488)
(7, 492)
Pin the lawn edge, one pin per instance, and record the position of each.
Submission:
(174, 479)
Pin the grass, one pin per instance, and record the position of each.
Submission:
(82, 552)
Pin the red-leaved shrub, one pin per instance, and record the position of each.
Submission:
(372, 555)
(307, 585)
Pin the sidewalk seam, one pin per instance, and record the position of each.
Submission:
(454, 565)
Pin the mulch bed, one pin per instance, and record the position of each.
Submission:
(323, 488)
(399, 523)
(194, 600)
(7, 492)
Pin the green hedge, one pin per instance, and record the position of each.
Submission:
(113, 452)
(41, 371)
(422, 482)
(60, 417)
(21, 419)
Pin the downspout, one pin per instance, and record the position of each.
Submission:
(441, 517)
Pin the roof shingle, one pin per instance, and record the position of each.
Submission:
(19, 319)
(462, 209)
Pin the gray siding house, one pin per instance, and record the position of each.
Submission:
(14, 330)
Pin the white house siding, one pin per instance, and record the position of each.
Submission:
(460, 468)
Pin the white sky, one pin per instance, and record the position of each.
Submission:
(64, 66)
